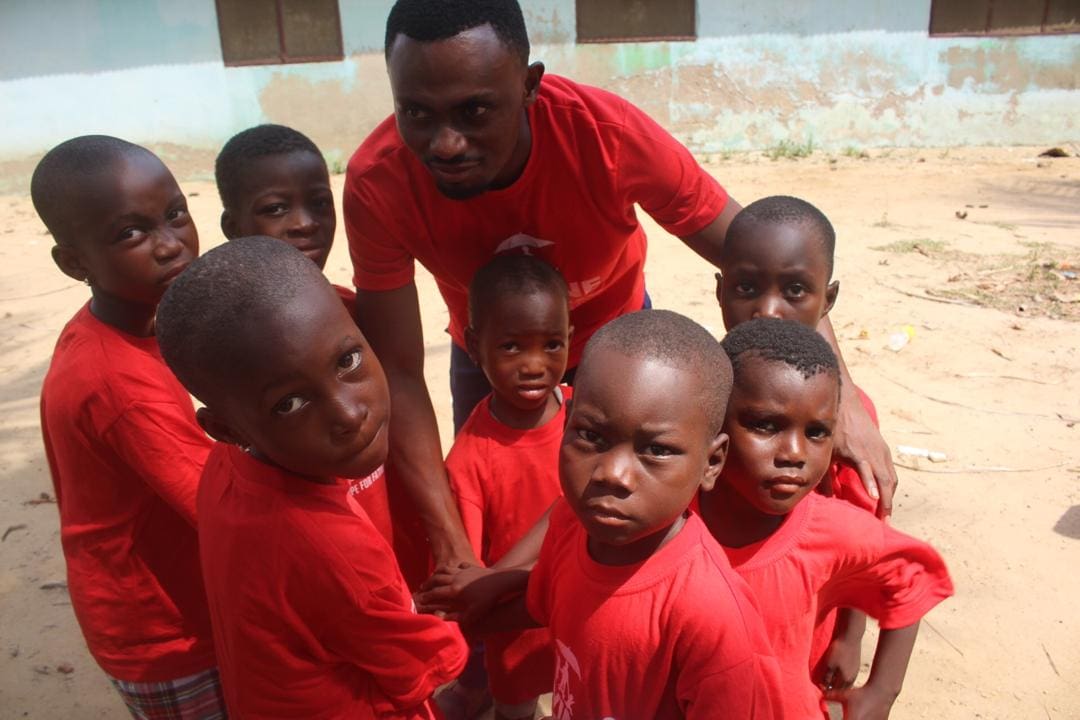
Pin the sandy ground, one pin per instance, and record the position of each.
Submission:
(994, 389)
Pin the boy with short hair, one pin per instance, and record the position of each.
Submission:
(312, 617)
(503, 467)
(802, 554)
(123, 446)
(648, 619)
(273, 181)
(777, 261)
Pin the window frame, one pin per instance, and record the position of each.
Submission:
(282, 57)
(987, 31)
(632, 39)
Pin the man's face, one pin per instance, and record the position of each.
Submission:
(460, 107)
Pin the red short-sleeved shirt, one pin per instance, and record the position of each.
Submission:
(311, 615)
(676, 636)
(829, 554)
(504, 479)
(594, 155)
(125, 453)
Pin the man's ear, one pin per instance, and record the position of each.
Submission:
(472, 345)
(70, 262)
(533, 74)
(216, 427)
(719, 288)
(831, 292)
(718, 450)
(228, 225)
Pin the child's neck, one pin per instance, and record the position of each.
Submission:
(520, 419)
(131, 318)
(637, 551)
(734, 522)
(316, 479)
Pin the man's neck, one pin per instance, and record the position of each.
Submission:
(520, 157)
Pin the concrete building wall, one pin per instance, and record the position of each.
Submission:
(837, 72)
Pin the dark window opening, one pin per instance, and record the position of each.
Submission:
(267, 32)
(635, 20)
(1004, 17)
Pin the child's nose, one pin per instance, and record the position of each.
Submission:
(168, 245)
(769, 307)
(304, 223)
(792, 450)
(613, 469)
(347, 415)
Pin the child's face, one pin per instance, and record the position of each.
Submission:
(522, 345)
(131, 233)
(313, 399)
(635, 451)
(776, 271)
(287, 197)
(780, 425)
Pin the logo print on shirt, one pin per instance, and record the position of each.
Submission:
(562, 701)
(359, 485)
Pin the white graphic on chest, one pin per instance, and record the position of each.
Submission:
(523, 242)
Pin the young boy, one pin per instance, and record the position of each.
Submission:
(503, 467)
(801, 553)
(647, 617)
(123, 446)
(777, 261)
(273, 181)
(311, 615)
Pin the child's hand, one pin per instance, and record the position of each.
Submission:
(863, 703)
(459, 593)
(840, 664)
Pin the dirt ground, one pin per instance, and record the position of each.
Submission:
(972, 251)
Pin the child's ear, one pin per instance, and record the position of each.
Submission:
(719, 288)
(569, 334)
(831, 292)
(718, 450)
(533, 75)
(217, 428)
(228, 225)
(472, 344)
(70, 262)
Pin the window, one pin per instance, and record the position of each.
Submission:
(263, 32)
(1004, 17)
(630, 20)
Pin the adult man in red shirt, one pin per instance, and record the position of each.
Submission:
(483, 155)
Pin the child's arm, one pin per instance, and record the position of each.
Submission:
(874, 700)
(840, 664)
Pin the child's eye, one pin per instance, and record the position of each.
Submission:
(744, 288)
(765, 426)
(589, 436)
(414, 113)
(176, 214)
(288, 405)
(349, 361)
(657, 450)
(274, 209)
(130, 233)
(509, 347)
(322, 203)
(554, 345)
(796, 290)
(475, 110)
(818, 433)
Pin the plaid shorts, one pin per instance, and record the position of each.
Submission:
(195, 697)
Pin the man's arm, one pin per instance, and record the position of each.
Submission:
(390, 321)
(856, 438)
(874, 700)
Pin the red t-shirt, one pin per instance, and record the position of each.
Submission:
(311, 615)
(675, 636)
(125, 453)
(594, 155)
(504, 479)
(845, 481)
(826, 555)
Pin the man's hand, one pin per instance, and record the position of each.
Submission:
(858, 441)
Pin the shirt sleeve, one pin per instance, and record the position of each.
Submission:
(890, 576)
(374, 230)
(541, 579)
(168, 450)
(657, 172)
(746, 690)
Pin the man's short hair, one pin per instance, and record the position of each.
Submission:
(792, 343)
(209, 315)
(674, 340)
(247, 145)
(512, 274)
(433, 20)
(786, 210)
(65, 172)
